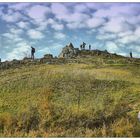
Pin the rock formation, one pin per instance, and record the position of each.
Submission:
(69, 51)
(48, 56)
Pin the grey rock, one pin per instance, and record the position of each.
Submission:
(48, 56)
(69, 51)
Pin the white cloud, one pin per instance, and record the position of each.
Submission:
(55, 25)
(18, 52)
(80, 8)
(123, 34)
(77, 17)
(58, 26)
(95, 22)
(16, 31)
(45, 51)
(123, 53)
(19, 6)
(97, 6)
(137, 31)
(34, 34)
(116, 25)
(65, 15)
(106, 36)
(59, 35)
(129, 39)
(13, 35)
(8, 35)
(134, 20)
(42, 26)
(11, 16)
(76, 25)
(129, 36)
(23, 24)
(77, 21)
(111, 47)
(38, 13)
(59, 10)
(116, 10)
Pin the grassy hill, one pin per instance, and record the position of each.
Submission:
(87, 97)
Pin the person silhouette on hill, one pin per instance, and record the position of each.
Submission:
(81, 46)
(84, 44)
(32, 52)
(131, 54)
(89, 47)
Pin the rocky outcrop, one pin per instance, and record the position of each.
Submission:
(66, 56)
(48, 56)
(69, 51)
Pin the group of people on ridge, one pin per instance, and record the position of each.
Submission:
(82, 47)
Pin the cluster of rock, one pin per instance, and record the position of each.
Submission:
(46, 58)
(69, 52)
(17, 63)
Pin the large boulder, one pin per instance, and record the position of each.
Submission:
(48, 56)
(69, 51)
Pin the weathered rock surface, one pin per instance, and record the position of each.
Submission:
(69, 51)
(48, 56)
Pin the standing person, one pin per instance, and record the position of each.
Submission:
(131, 54)
(84, 44)
(81, 47)
(89, 47)
(32, 52)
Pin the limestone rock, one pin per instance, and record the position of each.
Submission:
(69, 51)
(48, 56)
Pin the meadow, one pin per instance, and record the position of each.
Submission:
(95, 97)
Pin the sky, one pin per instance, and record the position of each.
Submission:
(51, 26)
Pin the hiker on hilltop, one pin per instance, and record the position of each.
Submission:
(32, 52)
(84, 44)
(81, 46)
(131, 54)
(89, 47)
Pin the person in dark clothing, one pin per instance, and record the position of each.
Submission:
(81, 47)
(131, 55)
(84, 44)
(32, 52)
(89, 47)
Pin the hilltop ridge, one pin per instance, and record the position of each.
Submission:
(69, 54)
(85, 94)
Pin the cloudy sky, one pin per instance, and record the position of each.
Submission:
(50, 26)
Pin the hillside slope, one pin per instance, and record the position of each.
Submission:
(87, 97)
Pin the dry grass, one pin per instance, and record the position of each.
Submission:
(71, 100)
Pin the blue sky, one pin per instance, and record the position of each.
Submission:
(50, 26)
